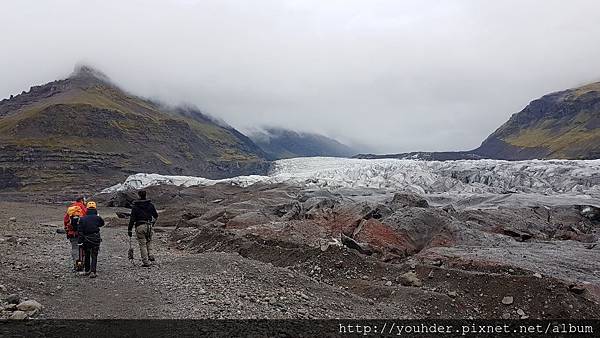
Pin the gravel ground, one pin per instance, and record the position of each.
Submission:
(180, 285)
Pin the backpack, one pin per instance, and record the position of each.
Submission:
(74, 212)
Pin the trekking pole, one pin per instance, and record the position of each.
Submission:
(130, 252)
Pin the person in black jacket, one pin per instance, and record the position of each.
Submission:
(143, 217)
(89, 238)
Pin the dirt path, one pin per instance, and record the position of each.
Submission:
(40, 268)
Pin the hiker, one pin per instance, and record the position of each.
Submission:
(143, 217)
(74, 213)
(89, 237)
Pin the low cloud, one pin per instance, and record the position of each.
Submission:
(385, 75)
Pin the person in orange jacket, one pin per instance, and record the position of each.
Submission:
(75, 211)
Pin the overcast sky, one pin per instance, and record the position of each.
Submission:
(388, 75)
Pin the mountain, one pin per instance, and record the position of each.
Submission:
(282, 143)
(86, 131)
(561, 125)
(564, 124)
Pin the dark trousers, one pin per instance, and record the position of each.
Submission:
(91, 258)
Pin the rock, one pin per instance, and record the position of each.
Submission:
(12, 240)
(18, 315)
(3, 289)
(537, 275)
(29, 305)
(590, 212)
(13, 219)
(520, 312)
(410, 279)
(452, 294)
(449, 209)
(507, 300)
(388, 283)
(121, 214)
(60, 231)
(349, 242)
(402, 200)
(11, 307)
(22, 241)
(303, 295)
(13, 299)
(577, 289)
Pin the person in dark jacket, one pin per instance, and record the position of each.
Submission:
(89, 238)
(143, 217)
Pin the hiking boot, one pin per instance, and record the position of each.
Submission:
(146, 265)
(93, 275)
(151, 258)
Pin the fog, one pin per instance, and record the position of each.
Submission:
(381, 75)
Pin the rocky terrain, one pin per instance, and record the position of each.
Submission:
(69, 133)
(401, 252)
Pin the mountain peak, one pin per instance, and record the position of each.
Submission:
(88, 75)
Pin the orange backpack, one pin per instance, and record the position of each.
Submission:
(74, 212)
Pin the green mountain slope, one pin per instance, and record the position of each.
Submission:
(564, 125)
(84, 130)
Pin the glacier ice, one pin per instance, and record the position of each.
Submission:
(545, 177)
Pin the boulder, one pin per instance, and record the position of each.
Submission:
(590, 212)
(507, 300)
(13, 299)
(123, 199)
(353, 244)
(577, 288)
(29, 305)
(121, 214)
(410, 279)
(402, 200)
(18, 315)
(449, 209)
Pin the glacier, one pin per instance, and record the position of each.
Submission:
(543, 177)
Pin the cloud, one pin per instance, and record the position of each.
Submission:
(387, 75)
